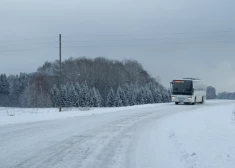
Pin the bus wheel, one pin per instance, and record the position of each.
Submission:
(202, 100)
(176, 103)
(195, 100)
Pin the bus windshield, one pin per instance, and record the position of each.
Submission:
(183, 87)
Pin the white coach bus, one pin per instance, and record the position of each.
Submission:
(188, 91)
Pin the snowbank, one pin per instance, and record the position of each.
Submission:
(24, 115)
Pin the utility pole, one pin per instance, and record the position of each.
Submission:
(60, 81)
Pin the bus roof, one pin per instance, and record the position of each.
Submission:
(190, 79)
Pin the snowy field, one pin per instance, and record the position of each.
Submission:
(202, 138)
(147, 136)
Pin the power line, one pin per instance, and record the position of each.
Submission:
(20, 45)
(201, 32)
(28, 39)
(126, 45)
(157, 33)
(121, 45)
(128, 35)
(121, 40)
(154, 41)
(116, 45)
(28, 49)
(100, 45)
(148, 39)
(39, 38)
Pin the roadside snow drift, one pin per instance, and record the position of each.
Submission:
(27, 115)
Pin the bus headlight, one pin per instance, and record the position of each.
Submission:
(172, 97)
(189, 98)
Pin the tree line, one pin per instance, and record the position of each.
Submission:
(211, 94)
(85, 82)
(226, 95)
(80, 95)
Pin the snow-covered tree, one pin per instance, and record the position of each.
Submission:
(99, 100)
(84, 96)
(210, 92)
(4, 85)
(94, 98)
(157, 95)
(69, 97)
(64, 96)
(26, 98)
(118, 98)
(149, 95)
(77, 88)
(133, 95)
(142, 97)
(111, 98)
(35, 96)
(127, 94)
(55, 96)
(73, 97)
(138, 94)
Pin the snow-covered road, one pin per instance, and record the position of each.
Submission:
(123, 139)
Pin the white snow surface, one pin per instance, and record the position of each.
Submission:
(199, 138)
(147, 136)
(25, 115)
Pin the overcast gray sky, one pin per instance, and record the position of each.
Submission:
(171, 38)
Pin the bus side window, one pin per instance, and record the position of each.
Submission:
(200, 84)
(196, 85)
